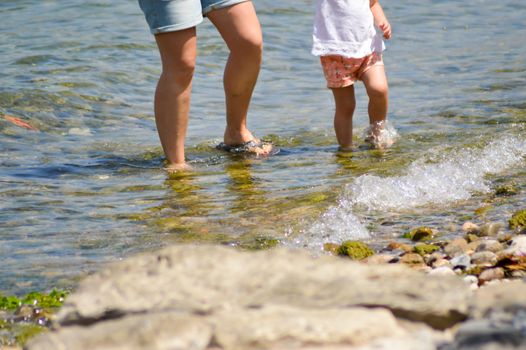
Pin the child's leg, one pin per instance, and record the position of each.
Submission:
(376, 85)
(375, 82)
(345, 104)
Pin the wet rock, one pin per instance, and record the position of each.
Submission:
(425, 249)
(355, 250)
(420, 234)
(406, 248)
(491, 229)
(484, 258)
(462, 261)
(436, 259)
(412, 259)
(496, 333)
(456, 247)
(508, 297)
(473, 246)
(506, 190)
(443, 271)
(504, 237)
(380, 259)
(441, 262)
(470, 237)
(518, 274)
(490, 245)
(491, 275)
(497, 319)
(518, 246)
(470, 228)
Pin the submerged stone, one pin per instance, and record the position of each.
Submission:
(261, 243)
(420, 234)
(506, 190)
(424, 249)
(355, 250)
(518, 220)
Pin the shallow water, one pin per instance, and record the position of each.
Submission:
(87, 188)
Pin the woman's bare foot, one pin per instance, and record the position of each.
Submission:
(177, 168)
(242, 141)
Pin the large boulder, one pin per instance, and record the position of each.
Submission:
(212, 296)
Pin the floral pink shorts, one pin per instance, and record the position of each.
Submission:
(342, 71)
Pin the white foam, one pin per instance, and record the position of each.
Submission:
(437, 179)
(454, 177)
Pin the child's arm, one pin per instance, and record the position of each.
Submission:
(379, 18)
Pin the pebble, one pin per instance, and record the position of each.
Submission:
(380, 259)
(470, 227)
(484, 258)
(491, 229)
(400, 246)
(441, 263)
(412, 259)
(490, 245)
(462, 261)
(518, 246)
(442, 271)
(491, 275)
(456, 247)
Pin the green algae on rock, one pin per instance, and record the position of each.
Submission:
(24, 317)
(355, 250)
(424, 249)
(17, 334)
(52, 300)
(518, 220)
(260, 243)
(331, 248)
(506, 190)
(419, 234)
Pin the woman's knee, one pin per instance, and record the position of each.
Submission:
(249, 45)
(180, 70)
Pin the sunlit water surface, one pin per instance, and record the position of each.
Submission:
(87, 187)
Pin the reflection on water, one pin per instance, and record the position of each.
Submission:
(83, 186)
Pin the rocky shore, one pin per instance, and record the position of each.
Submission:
(468, 293)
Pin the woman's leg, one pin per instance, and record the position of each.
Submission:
(345, 103)
(172, 96)
(240, 28)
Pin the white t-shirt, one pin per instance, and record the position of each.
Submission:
(345, 28)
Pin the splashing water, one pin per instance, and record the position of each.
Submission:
(453, 178)
(435, 179)
(381, 134)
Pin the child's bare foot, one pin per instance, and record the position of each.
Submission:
(381, 135)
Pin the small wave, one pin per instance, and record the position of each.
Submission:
(454, 177)
(436, 179)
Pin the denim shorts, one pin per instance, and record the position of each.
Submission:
(172, 15)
